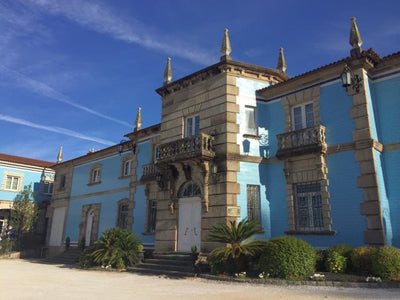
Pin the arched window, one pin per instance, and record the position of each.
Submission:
(189, 189)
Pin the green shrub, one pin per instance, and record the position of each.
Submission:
(116, 244)
(343, 249)
(386, 263)
(335, 262)
(361, 259)
(287, 257)
(86, 257)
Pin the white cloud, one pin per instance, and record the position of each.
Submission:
(47, 91)
(55, 129)
(100, 19)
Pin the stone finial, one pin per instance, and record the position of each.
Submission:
(355, 37)
(138, 120)
(226, 46)
(168, 72)
(60, 156)
(281, 61)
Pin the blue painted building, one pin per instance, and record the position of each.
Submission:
(102, 189)
(316, 156)
(17, 172)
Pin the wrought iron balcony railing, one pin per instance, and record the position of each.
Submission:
(149, 172)
(198, 146)
(303, 141)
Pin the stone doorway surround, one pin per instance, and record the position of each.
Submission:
(86, 209)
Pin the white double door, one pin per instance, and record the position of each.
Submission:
(189, 229)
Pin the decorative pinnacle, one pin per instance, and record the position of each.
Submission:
(281, 61)
(168, 72)
(60, 155)
(138, 120)
(355, 38)
(226, 46)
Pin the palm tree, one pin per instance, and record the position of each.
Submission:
(239, 242)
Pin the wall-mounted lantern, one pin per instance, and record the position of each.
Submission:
(350, 80)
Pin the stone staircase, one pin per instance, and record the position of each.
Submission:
(68, 257)
(169, 264)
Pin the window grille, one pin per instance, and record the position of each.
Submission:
(308, 203)
(253, 203)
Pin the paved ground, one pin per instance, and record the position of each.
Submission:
(20, 279)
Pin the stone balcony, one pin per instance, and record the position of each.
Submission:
(192, 147)
(149, 172)
(303, 141)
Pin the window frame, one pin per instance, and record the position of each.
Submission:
(127, 167)
(95, 174)
(303, 115)
(313, 209)
(123, 215)
(194, 125)
(246, 128)
(253, 203)
(47, 187)
(151, 216)
(14, 176)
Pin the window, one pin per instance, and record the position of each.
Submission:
(253, 203)
(192, 126)
(47, 188)
(12, 183)
(63, 182)
(189, 189)
(250, 120)
(123, 216)
(302, 116)
(151, 217)
(95, 174)
(126, 168)
(308, 204)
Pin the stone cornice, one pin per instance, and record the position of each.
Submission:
(366, 60)
(26, 167)
(145, 132)
(388, 63)
(134, 136)
(231, 66)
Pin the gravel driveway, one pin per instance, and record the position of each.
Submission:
(22, 279)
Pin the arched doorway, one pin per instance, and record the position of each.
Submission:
(89, 226)
(189, 226)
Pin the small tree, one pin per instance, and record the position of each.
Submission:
(24, 213)
(239, 242)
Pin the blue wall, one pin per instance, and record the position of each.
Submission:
(391, 165)
(110, 180)
(249, 174)
(386, 95)
(271, 118)
(30, 177)
(335, 107)
(110, 173)
(108, 213)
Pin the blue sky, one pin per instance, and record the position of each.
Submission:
(73, 72)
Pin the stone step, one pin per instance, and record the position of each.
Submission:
(70, 256)
(173, 256)
(163, 261)
(158, 272)
(181, 268)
